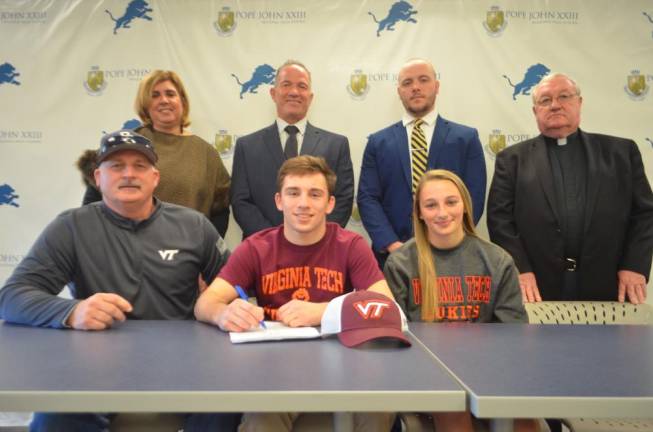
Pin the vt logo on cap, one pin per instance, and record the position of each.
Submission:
(362, 316)
(371, 309)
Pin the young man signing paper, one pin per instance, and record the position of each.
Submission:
(294, 270)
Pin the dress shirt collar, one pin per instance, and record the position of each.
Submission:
(281, 126)
(429, 119)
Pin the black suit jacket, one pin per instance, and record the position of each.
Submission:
(257, 159)
(618, 231)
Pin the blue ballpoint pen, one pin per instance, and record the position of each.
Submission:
(243, 295)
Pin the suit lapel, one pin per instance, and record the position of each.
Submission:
(593, 153)
(400, 137)
(273, 143)
(440, 133)
(311, 138)
(542, 166)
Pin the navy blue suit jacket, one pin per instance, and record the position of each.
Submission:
(385, 198)
(257, 159)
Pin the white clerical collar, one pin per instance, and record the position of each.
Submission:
(562, 141)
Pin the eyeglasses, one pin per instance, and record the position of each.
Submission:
(562, 99)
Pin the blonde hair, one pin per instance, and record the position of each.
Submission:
(425, 263)
(144, 96)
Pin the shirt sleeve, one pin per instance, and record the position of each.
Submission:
(362, 266)
(215, 254)
(30, 294)
(398, 281)
(241, 269)
(508, 305)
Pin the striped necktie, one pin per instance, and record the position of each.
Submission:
(419, 152)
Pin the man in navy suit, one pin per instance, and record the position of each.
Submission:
(385, 195)
(574, 209)
(258, 156)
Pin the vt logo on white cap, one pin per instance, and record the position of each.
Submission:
(371, 309)
(361, 316)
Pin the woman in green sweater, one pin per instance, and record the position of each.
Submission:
(192, 173)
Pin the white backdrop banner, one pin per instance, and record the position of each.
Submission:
(69, 71)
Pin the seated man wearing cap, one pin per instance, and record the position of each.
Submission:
(294, 270)
(114, 257)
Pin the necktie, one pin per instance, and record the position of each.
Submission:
(290, 150)
(419, 153)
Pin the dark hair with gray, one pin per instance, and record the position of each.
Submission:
(291, 62)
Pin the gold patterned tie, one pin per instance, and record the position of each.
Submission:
(419, 153)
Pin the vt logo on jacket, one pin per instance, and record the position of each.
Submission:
(168, 254)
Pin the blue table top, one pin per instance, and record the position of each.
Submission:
(522, 370)
(190, 366)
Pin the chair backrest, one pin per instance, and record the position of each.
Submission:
(588, 312)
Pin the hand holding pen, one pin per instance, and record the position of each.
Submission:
(243, 295)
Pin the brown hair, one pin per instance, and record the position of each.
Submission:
(144, 95)
(303, 165)
(425, 262)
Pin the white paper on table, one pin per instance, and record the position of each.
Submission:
(275, 331)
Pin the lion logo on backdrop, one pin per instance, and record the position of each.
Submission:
(224, 143)
(135, 9)
(533, 76)
(95, 82)
(650, 19)
(495, 21)
(226, 22)
(8, 74)
(263, 74)
(8, 196)
(358, 86)
(399, 11)
(636, 85)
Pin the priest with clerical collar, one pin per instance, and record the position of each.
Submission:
(574, 209)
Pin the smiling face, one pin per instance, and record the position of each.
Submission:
(418, 88)
(305, 203)
(127, 181)
(166, 108)
(441, 207)
(292, 93)
(557, 107)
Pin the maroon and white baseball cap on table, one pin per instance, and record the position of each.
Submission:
(361, 316)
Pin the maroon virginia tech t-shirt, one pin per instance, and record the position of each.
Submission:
(278, 271)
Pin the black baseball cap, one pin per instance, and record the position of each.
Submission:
(125, 139)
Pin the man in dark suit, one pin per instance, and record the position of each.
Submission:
(388, 174)
(258, 156)
(574, 209)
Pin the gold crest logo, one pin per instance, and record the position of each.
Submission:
(95, 82)
(497, 143)
(226, 23)
(355, 218)
(495, 21)
(224, 143)
(636, 86)
(358, 87)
